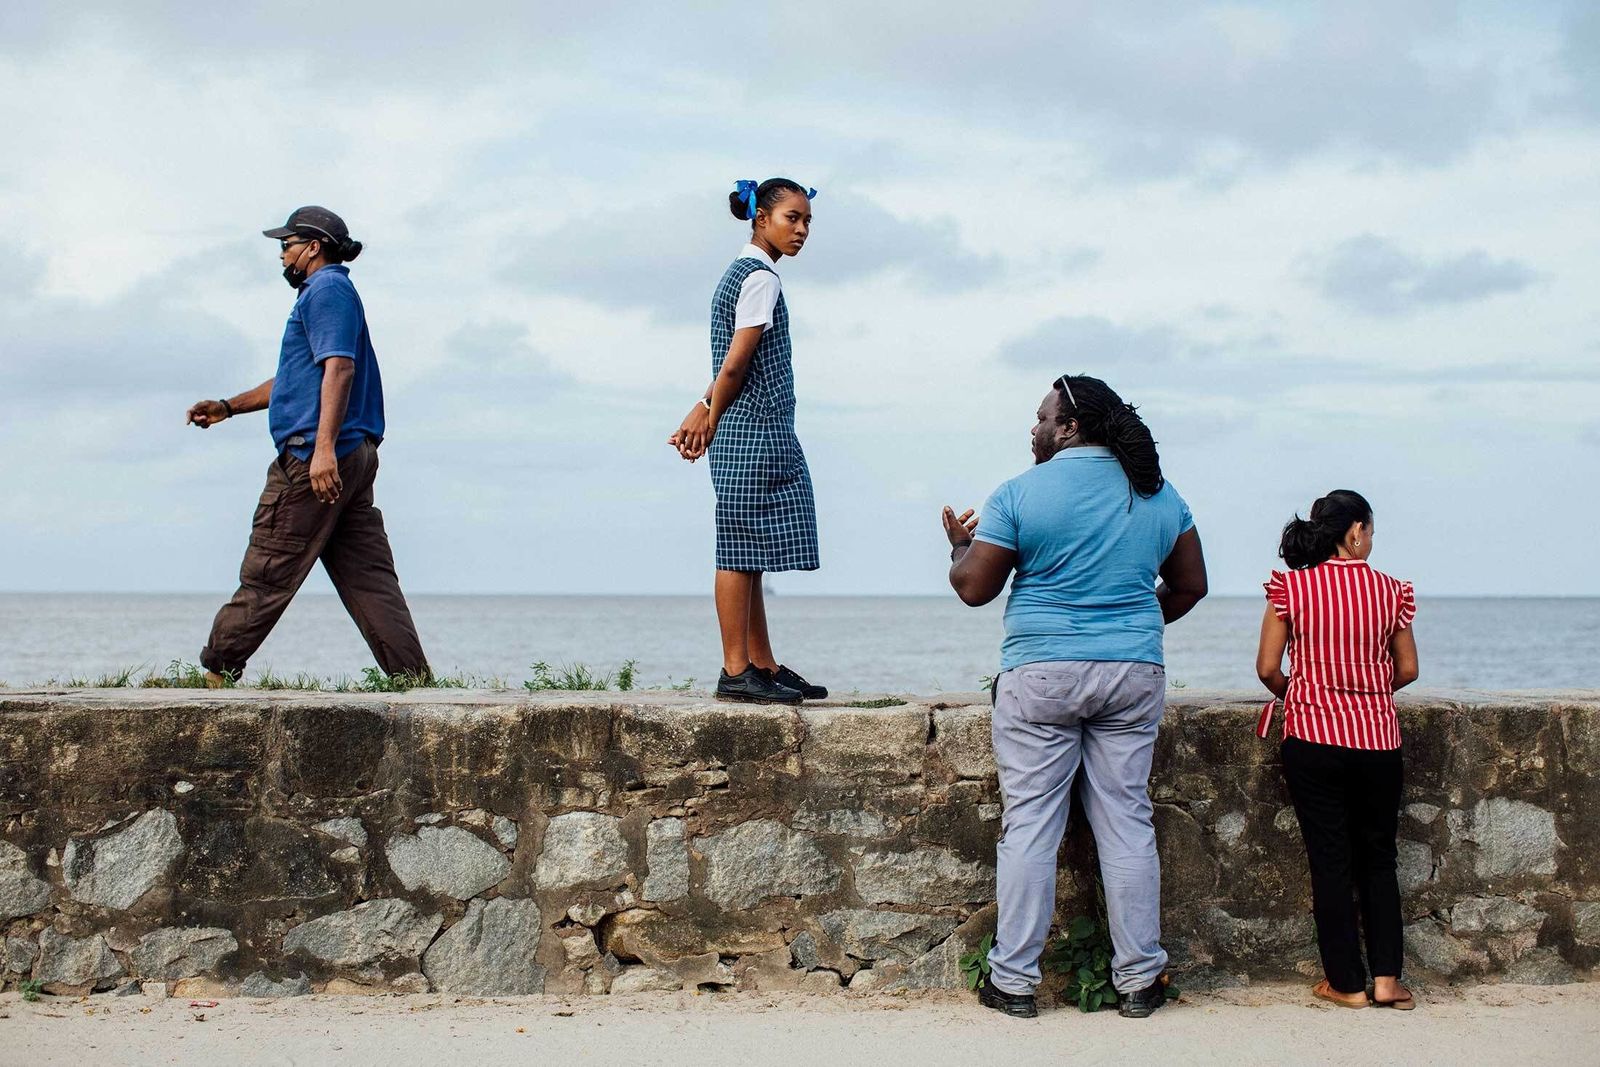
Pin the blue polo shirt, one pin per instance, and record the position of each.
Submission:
(1085, 586)
(327, 320)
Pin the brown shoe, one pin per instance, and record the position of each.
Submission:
(215, 680)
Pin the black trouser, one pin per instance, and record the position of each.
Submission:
(1348, 803)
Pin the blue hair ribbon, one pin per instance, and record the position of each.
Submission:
(747, 192)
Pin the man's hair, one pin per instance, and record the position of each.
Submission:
(1103, 419)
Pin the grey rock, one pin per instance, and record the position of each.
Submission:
(803, 951)
(259, 985)
(645, 980)
(346, 829)
(13, 860)
(1586, 922)
(505, 831)
(130, 989)
(20, 954)
(874, 978)
(1414, 865)
(1541, 966)
(369, 932)
(764, 858)
(1495, 915)
(1285, 822)
(1437, 951)
(961, 740)
(990, 812)
(586, 914)
(116, 869)
(1513, 837)
(582, 848)
(348, 854)
(938, 968)
(885, 935)
(1259, 936)
(849, 822)
(1422, 813)
(489, 952)
(451, 861)
(926, 876)
(883, 742)
(181, 952)
(432, 818)
(668, 857)
(21, 893)
(1230, 827)
(74, 962)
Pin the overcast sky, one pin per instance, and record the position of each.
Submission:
(1344, 245)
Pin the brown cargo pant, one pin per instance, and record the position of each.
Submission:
(292, 529)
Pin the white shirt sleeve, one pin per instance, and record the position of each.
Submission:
(758, 296)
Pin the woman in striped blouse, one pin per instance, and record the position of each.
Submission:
(1347, 629)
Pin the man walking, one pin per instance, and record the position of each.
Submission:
(1087, 530)
(325, 412)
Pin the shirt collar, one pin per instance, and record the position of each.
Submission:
(750, 251)
(1082, 452)
(1345, 562)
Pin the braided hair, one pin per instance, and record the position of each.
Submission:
(1103, 419)
(1308, 542)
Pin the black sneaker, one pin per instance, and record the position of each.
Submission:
(784, 676)
(1141, 1003)
(1016, 1005)
(755, 686)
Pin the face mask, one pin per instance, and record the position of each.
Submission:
(295, 278)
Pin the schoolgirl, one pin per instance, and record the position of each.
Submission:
(766, 514)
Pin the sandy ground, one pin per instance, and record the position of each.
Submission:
(1502, 1024)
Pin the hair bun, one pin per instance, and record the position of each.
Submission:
(350, 249)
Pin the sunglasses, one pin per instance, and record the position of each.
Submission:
(287, 244)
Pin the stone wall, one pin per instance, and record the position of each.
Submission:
(495, 843)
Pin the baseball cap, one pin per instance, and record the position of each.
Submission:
(311, 221)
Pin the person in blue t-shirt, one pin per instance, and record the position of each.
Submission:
(325, 413)
(1086, 532)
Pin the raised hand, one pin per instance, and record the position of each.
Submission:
(959, 528)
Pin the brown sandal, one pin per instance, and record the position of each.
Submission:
(1405, 1003)
(1323, 991)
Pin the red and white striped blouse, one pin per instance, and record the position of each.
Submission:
(1341, 615)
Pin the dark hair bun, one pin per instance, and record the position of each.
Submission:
(740, 209)
(349, 249)
(1308, 542)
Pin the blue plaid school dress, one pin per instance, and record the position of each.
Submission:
(766, 515)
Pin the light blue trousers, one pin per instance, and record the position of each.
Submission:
(1050, 719)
